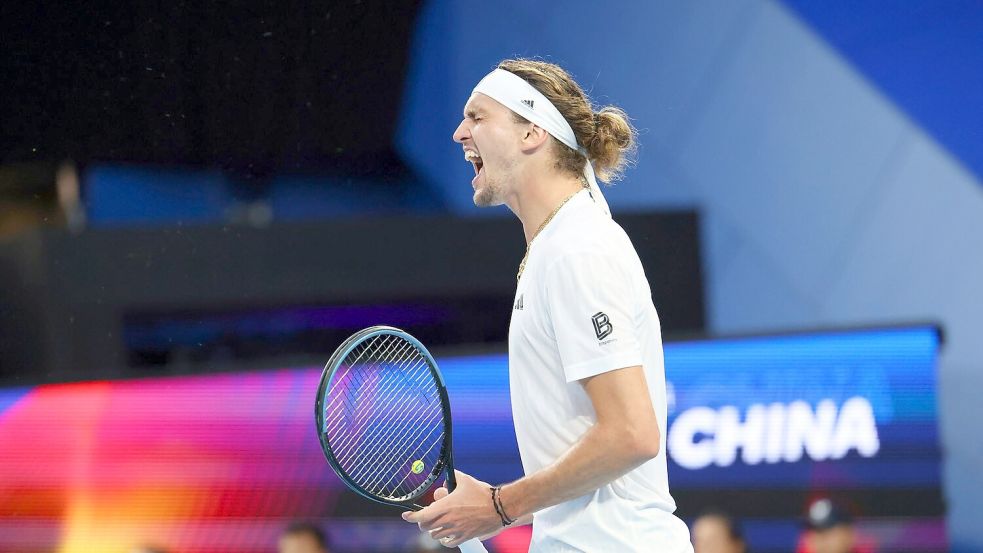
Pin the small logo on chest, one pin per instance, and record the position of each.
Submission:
(518, 304)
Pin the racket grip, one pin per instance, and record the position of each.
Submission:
(472, 546)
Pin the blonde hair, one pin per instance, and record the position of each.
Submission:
(607, 134)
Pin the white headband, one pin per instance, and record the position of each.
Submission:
(513, 92)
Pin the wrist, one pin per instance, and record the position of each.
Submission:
(510, 501)
(496, 498)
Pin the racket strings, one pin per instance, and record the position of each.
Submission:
(404, 457)
(364, 412)
(393, 442)
(426, 454)
(356, 356)
(405, 439)
(396, 430)
(344, 412)
(383, 418)
(358, 440)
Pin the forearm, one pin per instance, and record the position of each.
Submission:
(601, 455)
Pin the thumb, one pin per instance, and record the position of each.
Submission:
(439, 493)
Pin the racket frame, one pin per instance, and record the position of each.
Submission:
(445, 462)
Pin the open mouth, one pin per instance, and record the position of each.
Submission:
(475, 160)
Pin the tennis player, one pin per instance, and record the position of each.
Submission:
(585, 348)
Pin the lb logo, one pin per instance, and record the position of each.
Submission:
(602, 325)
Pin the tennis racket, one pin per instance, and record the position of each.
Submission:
(384, 420)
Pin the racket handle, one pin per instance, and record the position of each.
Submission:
(472, 546)
(451, 481)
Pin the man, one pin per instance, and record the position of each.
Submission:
(585, 347)
(303, 537)
(829, 528)
(717, 532)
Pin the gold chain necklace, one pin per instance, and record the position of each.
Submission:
(522, 265)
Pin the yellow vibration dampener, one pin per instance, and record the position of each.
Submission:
(417, 467)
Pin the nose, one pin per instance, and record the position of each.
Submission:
(462, 133)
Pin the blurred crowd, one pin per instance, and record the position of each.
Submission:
(828, 527)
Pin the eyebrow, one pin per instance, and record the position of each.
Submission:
(471, 112)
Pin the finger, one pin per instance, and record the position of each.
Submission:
(435, 522)
(440, 493)
(443, 532)
(440, 523)
(423, 516)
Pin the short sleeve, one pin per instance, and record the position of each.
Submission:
(592, 310)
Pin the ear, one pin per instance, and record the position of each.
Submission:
(533, 137)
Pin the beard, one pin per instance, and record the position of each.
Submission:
(492, 192)
(488, 196)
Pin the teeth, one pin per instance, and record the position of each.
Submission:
(474, 159)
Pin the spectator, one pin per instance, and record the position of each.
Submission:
(304, 537)
(829, 528)
(715, 531)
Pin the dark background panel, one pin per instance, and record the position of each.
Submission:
(101, 302)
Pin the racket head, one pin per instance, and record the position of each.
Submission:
(383, 417)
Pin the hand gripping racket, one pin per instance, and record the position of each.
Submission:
(384, 419)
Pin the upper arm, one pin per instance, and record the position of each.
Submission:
(622, 403)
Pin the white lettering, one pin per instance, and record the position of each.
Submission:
(855, 429)
(698, 422)
(773, 436)
(701, 436)
(814, 431)
(731, 434)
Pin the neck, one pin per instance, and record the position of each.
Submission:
(538, 196)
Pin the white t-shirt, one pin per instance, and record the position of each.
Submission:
(583, 307)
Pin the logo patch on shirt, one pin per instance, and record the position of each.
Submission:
(602, 325)
(518, 304)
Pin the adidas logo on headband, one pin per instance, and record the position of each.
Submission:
(527, 102)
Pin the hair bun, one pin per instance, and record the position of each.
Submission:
(612, 143)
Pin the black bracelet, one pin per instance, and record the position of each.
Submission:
(497, 503)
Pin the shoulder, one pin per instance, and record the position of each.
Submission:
(591, 236)
(591, 249)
